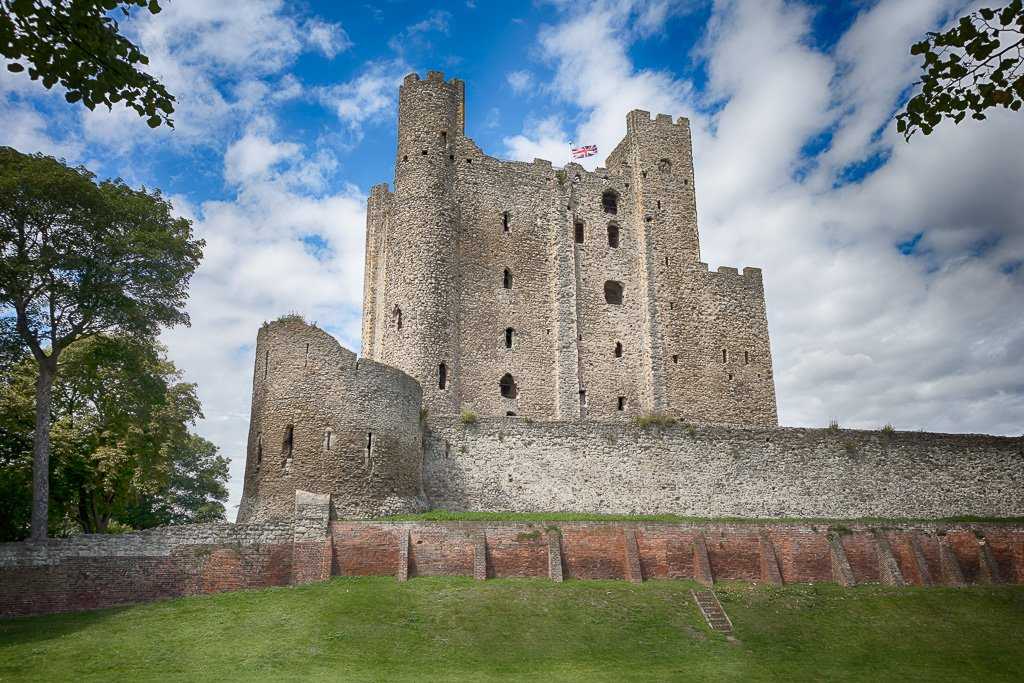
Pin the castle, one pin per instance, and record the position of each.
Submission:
(520, 321)
(541, 340)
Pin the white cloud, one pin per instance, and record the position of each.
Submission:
(520, 81)
(542, 139)
(329, 39)
(367, 96)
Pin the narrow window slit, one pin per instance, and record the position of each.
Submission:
(618, 349)
(506, 279)
(442, 376)
(509, 334)
(622, 402)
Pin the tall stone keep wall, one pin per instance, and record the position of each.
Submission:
(326, 423)
(510, 465)
(438, 303)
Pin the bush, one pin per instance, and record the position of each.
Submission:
(888, 431)
(656, 419)
(467, 417)
(833, 425)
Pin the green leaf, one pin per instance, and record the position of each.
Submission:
(14, 67)
(153, 121)
(72, 96)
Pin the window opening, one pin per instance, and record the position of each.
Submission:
(610, 202)
(506, 279)
(424, 152)
(289, 440)
(665, 166)
(442, 376)
(405, 157)
(613, 235)
(444, 137)
(327, 439)
(509, 333)
(259, 449)
(618, 349)
(659, 203)
(396, 313)
(266, 363)
(508, 386)
(730, 376)
(613, 292)
(725, 356)
(675, 358)
(746, 357)
(369, 442)
(622, 402)
(578, 232)
(583, 397)
(506, 221)
(510, 413)
(666, 260)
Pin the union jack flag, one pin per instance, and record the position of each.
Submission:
(584, 151)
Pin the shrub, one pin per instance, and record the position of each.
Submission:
(467, 417)
(833, 425)
(888, 431)
(656, 419)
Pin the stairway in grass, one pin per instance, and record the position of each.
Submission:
(712, 610)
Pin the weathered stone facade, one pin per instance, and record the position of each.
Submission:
(326, 422)
(478, 268)
(714, 471)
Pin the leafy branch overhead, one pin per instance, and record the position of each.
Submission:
(972, 67)
(76, 43)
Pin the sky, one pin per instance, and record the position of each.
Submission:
(892, 271)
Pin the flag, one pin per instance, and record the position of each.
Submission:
(584, 151)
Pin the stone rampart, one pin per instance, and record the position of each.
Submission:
(712, 471)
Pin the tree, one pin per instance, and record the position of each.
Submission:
(78, 259)
(76, 43)
(972, 67)
(123, 455)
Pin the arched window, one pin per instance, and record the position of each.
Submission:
(442, 376)
(610, 201)
(665, 166)
(509, 335)
(506, 279)
(618, 349)
(613, 292)
(396, 314)
(613, 235)
(508, 386)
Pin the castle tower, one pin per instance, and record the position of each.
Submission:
(414, 229)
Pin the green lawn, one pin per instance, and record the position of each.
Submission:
(531, 629)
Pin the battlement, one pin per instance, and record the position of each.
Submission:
(640, 118)
(729, 271)
(432, 77)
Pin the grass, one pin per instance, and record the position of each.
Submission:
(374, 629)
(448, 516)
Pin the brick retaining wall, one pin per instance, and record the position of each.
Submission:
(88, 572)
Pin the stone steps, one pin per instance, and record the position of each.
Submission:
(712, 610)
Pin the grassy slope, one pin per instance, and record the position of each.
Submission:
(445, 629)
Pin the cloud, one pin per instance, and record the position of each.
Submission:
(415, 36)
(329, 39)
(367, 96)
(520, 81)
(543, 139)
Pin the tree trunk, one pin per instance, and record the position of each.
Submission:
(41, 455)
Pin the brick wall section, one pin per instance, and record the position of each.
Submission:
(88, 572)
(92, 571)
(513, 465)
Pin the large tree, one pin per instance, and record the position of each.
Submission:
(123, 455)
(974, 66)
(80, 258)
(77, 43)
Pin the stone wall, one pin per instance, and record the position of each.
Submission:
(435, 292)
(326, 422)
(711, 471)
(92, 571)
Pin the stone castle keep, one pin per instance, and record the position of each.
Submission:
(518, 319)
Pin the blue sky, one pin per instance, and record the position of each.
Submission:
(892, 271)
